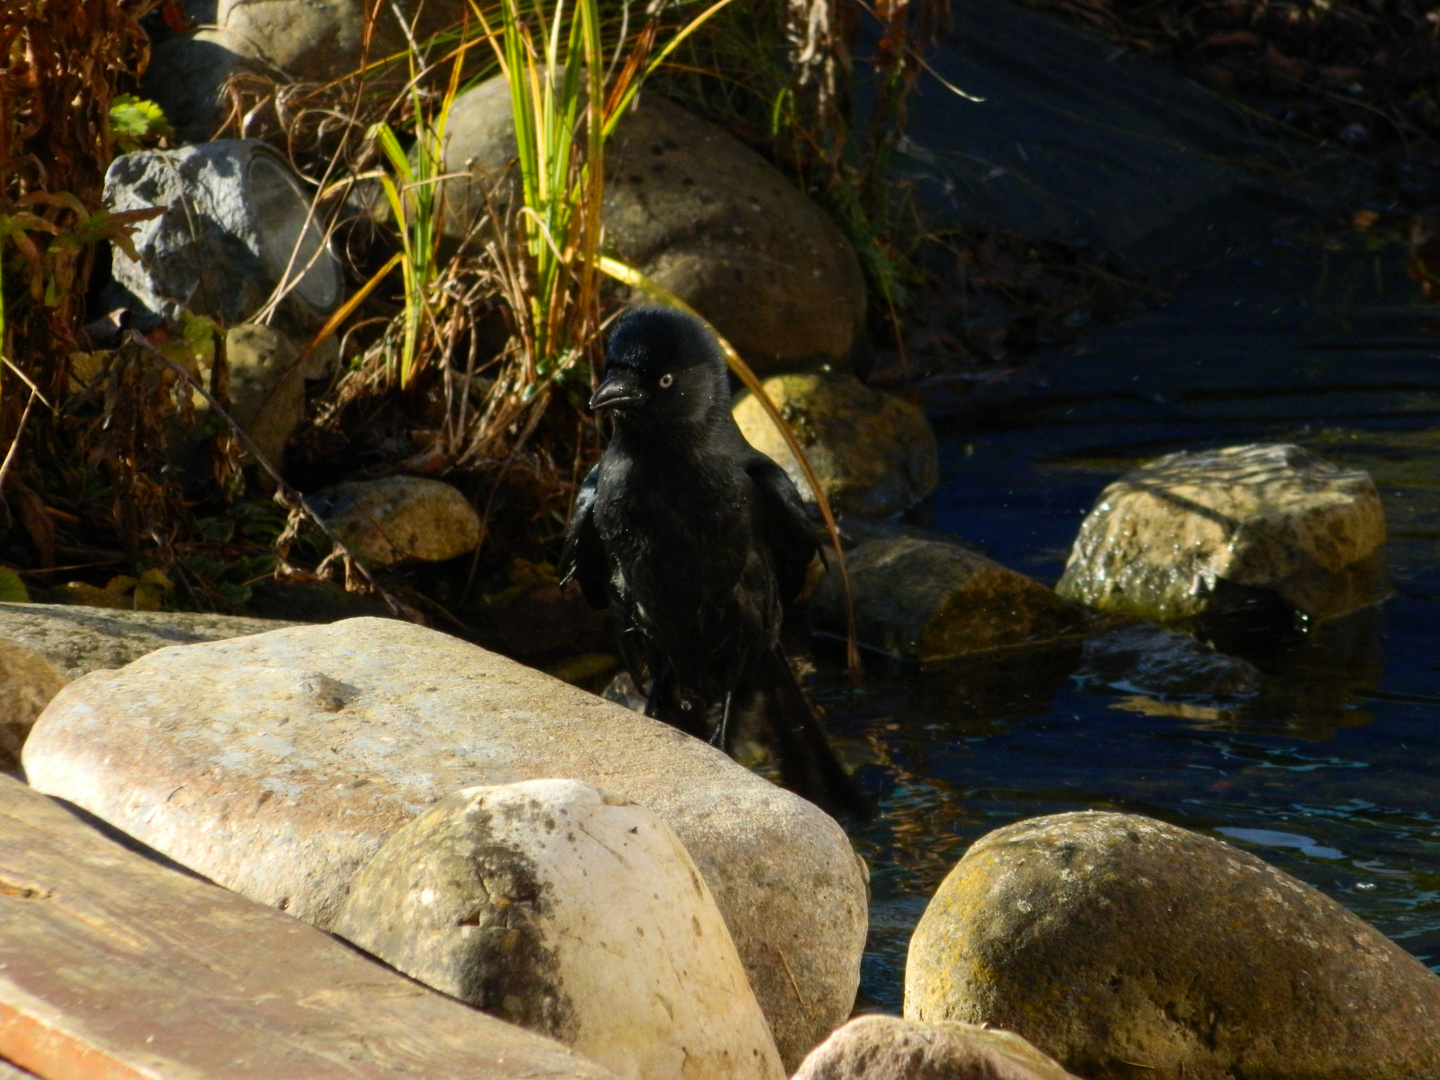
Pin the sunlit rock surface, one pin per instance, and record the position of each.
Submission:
(277, 765)
(575, 913)
(400, 519)
(930, 601)
(1193, 533)
(700, 213)
(874, 453)
(889, 1048)
(27, 683)
(1111, 940)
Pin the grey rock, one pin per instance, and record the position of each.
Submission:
(575, 913)
(234, 214)
(78, 639)
(1148, 659)
(187, 77)
(874, 453)
(931, 601)
(1112, 940)
(400, 519)
(889, 1048)
(1192, 533)
(222, 757)
(27, 683)
(700, 213)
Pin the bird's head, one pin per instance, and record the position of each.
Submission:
(663, 371)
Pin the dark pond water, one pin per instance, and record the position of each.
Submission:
(1334, 773)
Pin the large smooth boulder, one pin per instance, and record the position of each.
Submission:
(575, 913)
(277, 765)
(400, 519)
(889, 1048)
(874, 453)
(700, 213)
(236, 223)
(928, 600)
(1113, 940)
(1192, 533)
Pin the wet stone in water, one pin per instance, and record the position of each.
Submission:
(1201, 533)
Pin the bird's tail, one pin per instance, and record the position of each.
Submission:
(808, 765)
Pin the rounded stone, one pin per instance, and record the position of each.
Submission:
(575, 913)
(889, 1048)
(1112, 941)
(874, 453)
(700, 213)
(1193, 533)
(27, 683)
(277, 765)
(930, 601)
(400, 519)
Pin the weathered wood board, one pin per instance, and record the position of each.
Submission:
(115, 968)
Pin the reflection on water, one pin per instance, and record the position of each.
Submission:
(1331, 771)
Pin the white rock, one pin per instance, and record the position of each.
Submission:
(278, 764)
(575, 913)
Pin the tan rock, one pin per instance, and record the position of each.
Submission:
(277, 765)
(27, 683)
(575, 913)
(888, 1048)
(400, 519)
(927, 600)
(874, 453)
(1113, 941)
(699, 212)
(79, 639)
(1176, 537)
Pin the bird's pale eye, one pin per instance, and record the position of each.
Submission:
(666, 381)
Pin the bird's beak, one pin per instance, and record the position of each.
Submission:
(620, 388)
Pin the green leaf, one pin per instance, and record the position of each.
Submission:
(12, 589)
(136, 123)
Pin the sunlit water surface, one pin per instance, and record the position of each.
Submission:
(1333, 774)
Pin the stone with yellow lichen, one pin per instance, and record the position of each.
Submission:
(1123, 946)
(1194, 533)
(874, 453)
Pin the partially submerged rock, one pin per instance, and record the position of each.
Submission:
(575, 913)
(236, 224)
(1193, 533)
(1112, 940)
(700, 213)
(930, 601)
(400, 519)
(1148, 659)
(27, 683)
(889, 1048)
(277, 765)
(874, 453)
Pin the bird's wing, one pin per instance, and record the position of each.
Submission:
(783, 525)
(583, 556)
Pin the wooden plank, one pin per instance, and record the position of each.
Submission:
(115, 968)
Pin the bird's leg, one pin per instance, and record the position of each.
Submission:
(721, 736)
(659, 688)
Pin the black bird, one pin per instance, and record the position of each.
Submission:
(697, 542)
